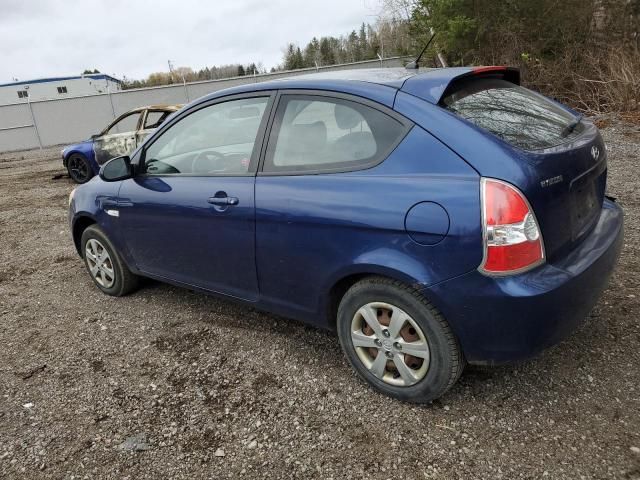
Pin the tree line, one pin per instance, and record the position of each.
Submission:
(584, 52)
(187, 74)
(386, 38)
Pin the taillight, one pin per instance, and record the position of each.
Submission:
(511, 235)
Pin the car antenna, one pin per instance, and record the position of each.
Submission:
(416, 63)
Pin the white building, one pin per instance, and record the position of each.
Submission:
(57, 87)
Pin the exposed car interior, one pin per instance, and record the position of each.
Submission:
(155, 118)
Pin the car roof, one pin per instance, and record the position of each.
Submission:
(162, 107)
(378, 84)
(392, 77)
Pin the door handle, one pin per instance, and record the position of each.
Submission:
(223, 201)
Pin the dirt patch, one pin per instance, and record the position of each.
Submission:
(203, 388)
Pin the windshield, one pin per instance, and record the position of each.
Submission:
(517, 115)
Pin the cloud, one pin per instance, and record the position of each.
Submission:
(42, 38)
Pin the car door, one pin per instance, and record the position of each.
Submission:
(189, 215)
(117, 139)
(151, 120)
(321, 205)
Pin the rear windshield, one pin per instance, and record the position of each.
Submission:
(517, 115)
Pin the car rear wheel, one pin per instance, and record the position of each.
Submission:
(79, 168)
(397, 341)
(107, 269)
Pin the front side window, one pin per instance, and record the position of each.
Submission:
(215, 140)
(62, 90)
(23, 94)
(317, 133)
(125, 125)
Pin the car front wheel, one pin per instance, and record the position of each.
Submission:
(397, 341)
(107, 269)
(79, 169)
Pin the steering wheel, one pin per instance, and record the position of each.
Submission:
(207, 162)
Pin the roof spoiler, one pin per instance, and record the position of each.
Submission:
(510, 74)
(433, 85)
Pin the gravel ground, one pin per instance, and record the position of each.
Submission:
(167, 383)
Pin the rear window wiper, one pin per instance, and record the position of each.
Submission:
(568, 130)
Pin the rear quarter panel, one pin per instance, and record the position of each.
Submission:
(492, 157)
(314, 230)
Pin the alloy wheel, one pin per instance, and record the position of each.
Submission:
(390, 344)
(78, 169)
(99, 263)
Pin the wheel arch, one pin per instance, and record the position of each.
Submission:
(345, 280)
(67, 155)
(80, 224)
(75, 151)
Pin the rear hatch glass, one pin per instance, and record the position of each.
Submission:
(513, 113)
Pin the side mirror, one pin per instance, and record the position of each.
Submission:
(118, 168)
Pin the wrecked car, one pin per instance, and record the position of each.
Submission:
(83, 160)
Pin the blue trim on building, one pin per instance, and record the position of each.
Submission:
(95, 76)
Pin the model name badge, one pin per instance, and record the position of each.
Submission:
(551, 181)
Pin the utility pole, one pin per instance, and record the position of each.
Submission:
(33, 117)
(184, 82)
(186, 90)
(113, 110)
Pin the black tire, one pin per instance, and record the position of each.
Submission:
(123, 281)
(79, 168)
(446, 361)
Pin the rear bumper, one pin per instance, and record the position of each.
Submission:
(506, 319)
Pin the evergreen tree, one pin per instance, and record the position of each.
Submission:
(362, 41)
(311, 53)
(327, 56)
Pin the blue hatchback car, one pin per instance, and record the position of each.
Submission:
(431, 217)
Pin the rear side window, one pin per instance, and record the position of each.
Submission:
(517, 115)
(155, 118)
(317, 133)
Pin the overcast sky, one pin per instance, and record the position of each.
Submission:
(40, 38)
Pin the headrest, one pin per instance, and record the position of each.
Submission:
(346, 117)
(309, 136)
(303, 142)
